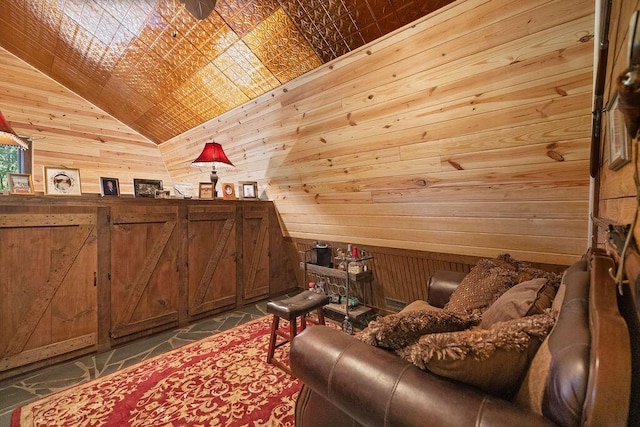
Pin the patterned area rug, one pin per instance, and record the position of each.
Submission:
(222, 380)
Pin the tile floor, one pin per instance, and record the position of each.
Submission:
(22, 389)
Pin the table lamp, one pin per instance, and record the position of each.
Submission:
(212, 155)
(9, 137)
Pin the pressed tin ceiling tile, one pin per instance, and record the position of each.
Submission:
(151, 64)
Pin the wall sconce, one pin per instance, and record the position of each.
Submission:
(9, 137)
(212, 155)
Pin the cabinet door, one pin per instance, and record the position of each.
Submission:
(212, 259)
(48, 305)
(255, 249)
(144, 270)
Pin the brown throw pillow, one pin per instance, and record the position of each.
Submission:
(494, 360)
(399, 330)
(524, 299)
(486, 281)
(527, 272)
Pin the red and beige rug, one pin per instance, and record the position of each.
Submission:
(222, 380)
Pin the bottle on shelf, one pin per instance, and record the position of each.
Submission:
(341, 263)
(355, 265)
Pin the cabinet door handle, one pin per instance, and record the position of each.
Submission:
(95, 279)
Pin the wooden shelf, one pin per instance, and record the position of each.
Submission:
(354, 312)
(337, 274)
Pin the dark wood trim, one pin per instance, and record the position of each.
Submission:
(104, 278)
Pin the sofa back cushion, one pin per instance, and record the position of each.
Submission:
(556, 383)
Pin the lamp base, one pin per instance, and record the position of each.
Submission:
(214, 180)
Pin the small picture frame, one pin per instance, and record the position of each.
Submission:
(205, 190)
(228, 191)
(20, 183)
(163, 194)
(185, 190)
(146, 187)
(109, 187)
(62, 181)
(248, 189)
(617, 137)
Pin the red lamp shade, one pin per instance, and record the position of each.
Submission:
(212, 155)
(9, 137)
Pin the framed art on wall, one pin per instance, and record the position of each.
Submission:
(62, 181)
(109, 186)
(617, 137)
(205, 190)
(146, 187)
(184, 189)
(228, 191)
(248, 189)
(20, 183)
(163, 194)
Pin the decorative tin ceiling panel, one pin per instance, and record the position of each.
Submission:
(158, 69)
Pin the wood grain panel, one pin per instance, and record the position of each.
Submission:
(617, 190)
(48, 304)
(212, 260)
(479, 112)
(476, 114)
(69, 131)
(144, 269)
(256, 251)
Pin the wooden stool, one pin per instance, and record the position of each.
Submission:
(290, 309)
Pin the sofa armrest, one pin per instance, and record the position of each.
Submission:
(441, 285)
(376, 387)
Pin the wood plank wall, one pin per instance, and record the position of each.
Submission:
(617, 192)
(465, 133)
(68, 131)
(617, 195)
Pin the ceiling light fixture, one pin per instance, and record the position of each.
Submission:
(199, 8)
(9, 137)
(212, 155)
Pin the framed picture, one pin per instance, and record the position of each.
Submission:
(248, 189)
(109, 186)
(617, 137)
(146, 187)
(20, 183)
(163, 194)
(184, 189)
(205, 190)
(62, 181)
(228, 191)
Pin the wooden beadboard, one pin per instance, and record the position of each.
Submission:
(399, 276)
(464, 133)
(69, 131)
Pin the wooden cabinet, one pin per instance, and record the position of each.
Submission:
(145, 247)
(48, 305)
(212, 259)
(81, 274)
(255, 251)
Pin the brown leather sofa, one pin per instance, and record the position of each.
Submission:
(588, 374)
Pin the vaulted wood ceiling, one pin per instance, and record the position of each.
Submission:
(158, 69)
